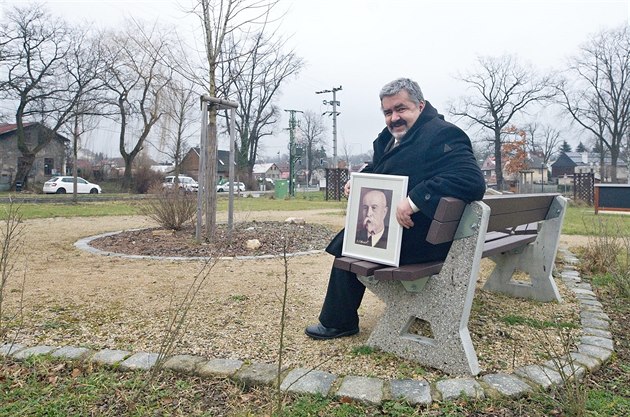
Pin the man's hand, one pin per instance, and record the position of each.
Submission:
(403, 214)
(346, 189)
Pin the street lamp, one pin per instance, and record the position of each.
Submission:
(542, 178)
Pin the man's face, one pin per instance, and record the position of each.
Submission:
(374, 209)
(400, 113)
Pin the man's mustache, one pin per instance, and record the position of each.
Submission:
(398, 123)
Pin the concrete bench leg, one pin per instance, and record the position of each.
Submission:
(536, 260)
(444, 303)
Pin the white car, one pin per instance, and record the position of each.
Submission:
(63, 185)
(185, 183)
(238, 186)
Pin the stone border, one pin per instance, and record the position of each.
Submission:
(595, 348)
(84, 244)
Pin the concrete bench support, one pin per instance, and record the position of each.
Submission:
(444, 303)
(535, 259)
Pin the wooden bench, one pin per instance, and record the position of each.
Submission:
(428, 305)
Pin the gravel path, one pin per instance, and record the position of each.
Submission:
(77, 298)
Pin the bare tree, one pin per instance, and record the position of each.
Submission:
(596, 90)
(136, 77)
(220, 19)
(40, 76)
(84, 67)
(253, 72)
(312, 129)
(182, 113)
(502, 88)
(543, 140)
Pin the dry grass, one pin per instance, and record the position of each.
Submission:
(77, 298)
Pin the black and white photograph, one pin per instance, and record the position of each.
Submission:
(370, 233)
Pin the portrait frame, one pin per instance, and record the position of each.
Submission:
(357, 241)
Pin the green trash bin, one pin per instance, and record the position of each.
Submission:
(281, 189)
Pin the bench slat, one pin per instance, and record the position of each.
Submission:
(510, 220)
(440, 232)
(344, 262)
(490, 236)
(509, 203)
(409, 272)
(526, 229)
(449, 209)
(445, 220)
(505, 244)
(365, 268)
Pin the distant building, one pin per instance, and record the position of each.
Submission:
(569, 163)
(51, 160)
(269, 170)
(190, 163)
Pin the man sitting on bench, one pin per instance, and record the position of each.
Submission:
(438, 160)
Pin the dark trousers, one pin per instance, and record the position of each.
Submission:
(342, 301)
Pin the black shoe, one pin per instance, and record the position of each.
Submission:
(318, 331)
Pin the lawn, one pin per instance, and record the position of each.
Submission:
(124, 206)
(579, 220)
(44, 386)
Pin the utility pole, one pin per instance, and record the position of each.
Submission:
(334, 113)
(292, 126)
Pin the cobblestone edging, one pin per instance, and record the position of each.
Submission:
(594, 349)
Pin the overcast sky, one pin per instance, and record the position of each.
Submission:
(362, 44)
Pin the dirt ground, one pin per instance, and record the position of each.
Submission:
(72, 297)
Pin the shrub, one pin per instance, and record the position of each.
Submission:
(146, 179)
(171, 208)
(608, 252)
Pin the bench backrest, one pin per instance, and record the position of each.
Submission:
(508, 212)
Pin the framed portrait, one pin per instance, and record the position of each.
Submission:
(372, 232)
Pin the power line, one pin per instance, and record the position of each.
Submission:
(334, 114)
(292, 156)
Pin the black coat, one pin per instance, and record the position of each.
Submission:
(438, 160)
(362, 238)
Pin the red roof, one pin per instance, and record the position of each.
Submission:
(9, 127)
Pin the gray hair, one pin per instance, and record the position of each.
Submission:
(394, 87)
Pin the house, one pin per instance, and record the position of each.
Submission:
(269, 170)
(531, 171)
(51, 160)
(487, 168)
(190, 163)
(569, 163)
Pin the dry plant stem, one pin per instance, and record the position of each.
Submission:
(177, 325)
(12, 241)
(573, 394)
(172, 209)
(285, 293)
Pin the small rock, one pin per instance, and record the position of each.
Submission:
(252, 244)
(295, 220)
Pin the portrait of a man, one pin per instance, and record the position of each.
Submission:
(373, 221)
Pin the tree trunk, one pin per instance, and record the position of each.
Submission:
(127, 182)
(25, 164)
(498, 169)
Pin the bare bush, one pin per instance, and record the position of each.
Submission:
(608, 252)
(11, 233)
(622, 270)
(603, 246)
(172, 208)
(572, 394)
(146, 179)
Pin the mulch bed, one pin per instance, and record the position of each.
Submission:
(275, 238)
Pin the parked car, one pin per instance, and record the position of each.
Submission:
(185, 183)
(63, 185)
(238, 186)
